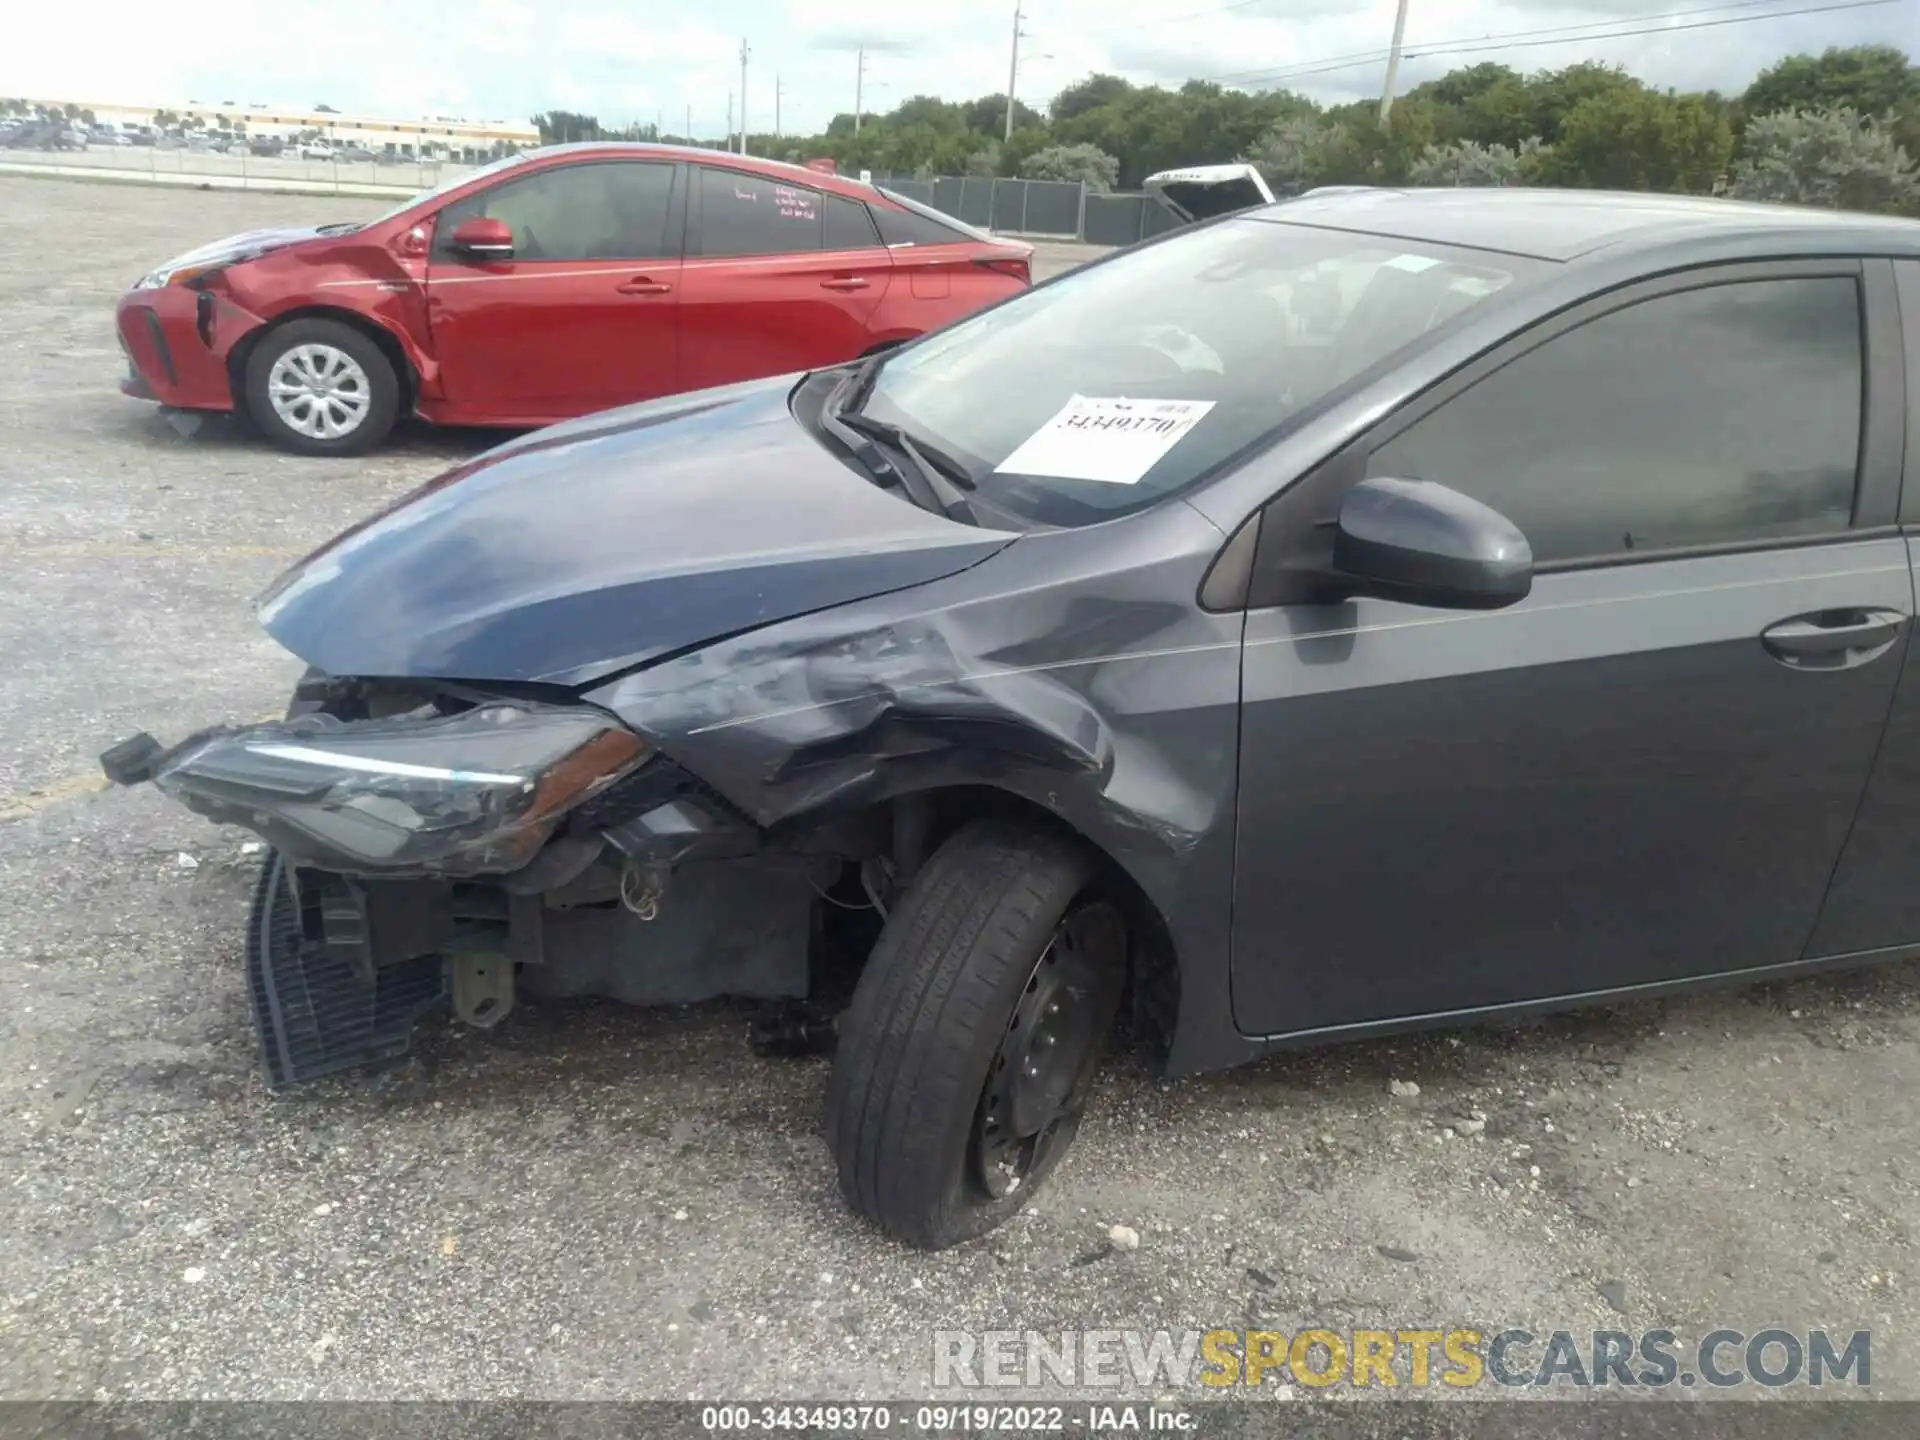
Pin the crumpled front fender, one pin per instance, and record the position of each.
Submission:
(1074, 669)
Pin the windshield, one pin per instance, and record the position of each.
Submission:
(1122, 383)
(454, 181)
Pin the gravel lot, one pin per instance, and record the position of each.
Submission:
(599, 1203)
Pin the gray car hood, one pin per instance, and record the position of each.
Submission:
(609, 542)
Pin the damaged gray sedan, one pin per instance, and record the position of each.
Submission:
(1369, 610)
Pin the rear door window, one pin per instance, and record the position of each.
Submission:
(743, 214)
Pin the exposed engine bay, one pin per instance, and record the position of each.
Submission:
(546, 852)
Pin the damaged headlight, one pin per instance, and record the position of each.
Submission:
(468, 794)
(175, 275)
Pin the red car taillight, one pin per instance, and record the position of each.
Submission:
(1008, 265)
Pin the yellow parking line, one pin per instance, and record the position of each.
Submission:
(18, 807)
(34, 801)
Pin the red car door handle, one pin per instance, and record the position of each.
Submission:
(844, 282)
(641, 285)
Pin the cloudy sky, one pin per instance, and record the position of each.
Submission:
(648, 59)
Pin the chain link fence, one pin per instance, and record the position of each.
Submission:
(1050, 209)
(376, 175)
(1055, 209)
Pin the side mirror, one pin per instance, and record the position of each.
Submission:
(484, 238)
(1424, 544)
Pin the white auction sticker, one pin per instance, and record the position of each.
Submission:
(1110, 440)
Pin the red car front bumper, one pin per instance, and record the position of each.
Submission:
(176, 341)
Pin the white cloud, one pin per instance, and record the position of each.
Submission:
(505, 59)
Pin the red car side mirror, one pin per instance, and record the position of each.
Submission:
(484, 238)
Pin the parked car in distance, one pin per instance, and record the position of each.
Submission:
(546, 286)
(44, 135)
(358, 154)
(318, 150)
(1370, 611)
(1201, 192)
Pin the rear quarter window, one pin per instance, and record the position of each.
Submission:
(905, 227)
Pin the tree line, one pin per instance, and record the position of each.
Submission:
(1841, 127)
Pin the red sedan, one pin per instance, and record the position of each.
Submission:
(550, 285)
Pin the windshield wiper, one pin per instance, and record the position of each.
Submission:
(932, 478)
(920, 481)
(943, 477)
(927, 456)
(859, 383)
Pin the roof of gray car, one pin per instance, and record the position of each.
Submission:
(1566, 224)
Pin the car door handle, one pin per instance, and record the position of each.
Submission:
(1833, 638)
(641, 285)
(844, 282)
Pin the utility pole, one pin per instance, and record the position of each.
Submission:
(743, 94)
(688, 137)
(1013, 66)
(776, 104)
(729, 144)
(1393, 62)
(859, 81)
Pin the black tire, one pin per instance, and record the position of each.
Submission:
(932, 1018)
(382, 387)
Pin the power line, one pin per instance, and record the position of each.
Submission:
(1364, 57)
(859, 83)
(1013, 67)
(1496, 43)
(743, 94)
(1393, 60)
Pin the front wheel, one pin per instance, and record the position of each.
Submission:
(966, 1058)
(321, 387)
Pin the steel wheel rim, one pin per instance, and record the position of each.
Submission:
(319, 391)
(1040, 1075)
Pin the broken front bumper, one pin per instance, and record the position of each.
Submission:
(340, 970)
(176, 340)
(431, 861)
